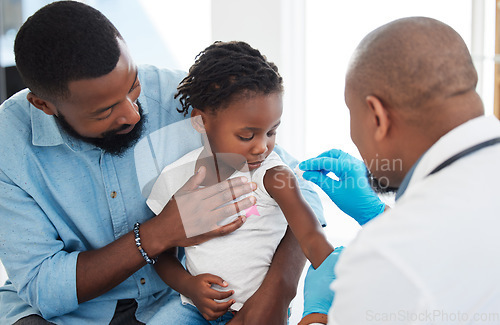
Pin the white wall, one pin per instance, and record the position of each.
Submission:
(277, 29)
(334, 28)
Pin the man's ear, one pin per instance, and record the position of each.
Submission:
(42, 104)
(197, 120)
(381, 117)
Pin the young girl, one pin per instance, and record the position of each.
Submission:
(236, 100)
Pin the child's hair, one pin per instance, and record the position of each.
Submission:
(223, 71)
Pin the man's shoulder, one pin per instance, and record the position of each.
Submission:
(15, 104)
(156, 81)
(158, 89)
(15, 118)
(148, 69)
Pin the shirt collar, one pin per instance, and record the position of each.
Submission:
(45, 131)
(406, 180)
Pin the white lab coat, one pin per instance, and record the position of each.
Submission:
(435, 257)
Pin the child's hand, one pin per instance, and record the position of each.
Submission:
(202, 294)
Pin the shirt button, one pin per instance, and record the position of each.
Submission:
(143, 281)
(113, 194)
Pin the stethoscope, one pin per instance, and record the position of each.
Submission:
(464, 153)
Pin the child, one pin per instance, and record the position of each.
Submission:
(236, 96)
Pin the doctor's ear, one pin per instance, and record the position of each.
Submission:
(380, 116)
(197, 120)
(42, 104)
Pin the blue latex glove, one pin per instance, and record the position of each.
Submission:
(318, 297)
(352, 193)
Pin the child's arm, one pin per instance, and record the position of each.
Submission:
(281, 184)
(198, 288)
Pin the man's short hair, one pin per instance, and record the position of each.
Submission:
(62, 42)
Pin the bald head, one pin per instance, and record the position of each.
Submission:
(411, 62)
(409, 83)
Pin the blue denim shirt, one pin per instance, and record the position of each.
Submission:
(60, 196)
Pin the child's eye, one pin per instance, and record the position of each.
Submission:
(245, 138)
(271, 133)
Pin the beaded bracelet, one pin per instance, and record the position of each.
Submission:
(138, 244)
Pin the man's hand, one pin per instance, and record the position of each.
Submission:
(352, 192)
(102, 269)
(199, 289)
(192, 215)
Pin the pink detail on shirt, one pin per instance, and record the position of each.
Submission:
(252, 211)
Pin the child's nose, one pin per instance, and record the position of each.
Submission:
(260, 148)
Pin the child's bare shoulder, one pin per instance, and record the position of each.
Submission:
(280, 179)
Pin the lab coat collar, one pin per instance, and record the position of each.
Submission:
(484, 128)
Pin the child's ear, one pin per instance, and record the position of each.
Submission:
(197, 118)
(42, 104)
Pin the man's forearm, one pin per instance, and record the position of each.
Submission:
(100, 270)
(286, 267)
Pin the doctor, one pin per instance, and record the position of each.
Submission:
(419, 125)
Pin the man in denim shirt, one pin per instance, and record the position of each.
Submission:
(80, 151)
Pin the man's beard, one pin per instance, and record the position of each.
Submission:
(111, 142)
(378, 187)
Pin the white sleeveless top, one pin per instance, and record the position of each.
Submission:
(243, 257)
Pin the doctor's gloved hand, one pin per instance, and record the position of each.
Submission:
(318, 297)
(352, 192)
